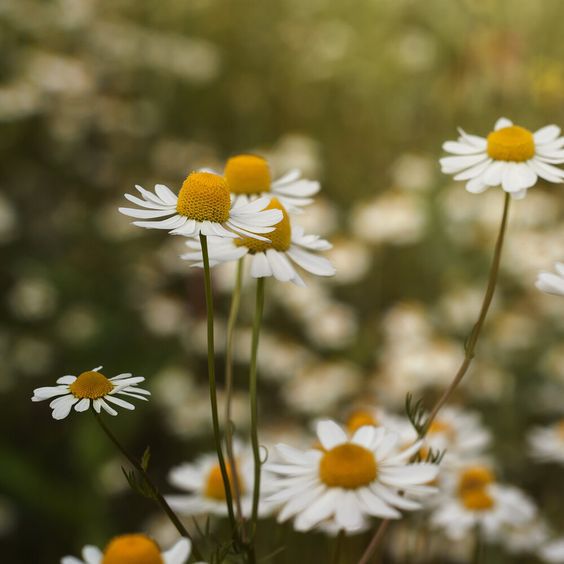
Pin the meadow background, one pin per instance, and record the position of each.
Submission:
(96, 96)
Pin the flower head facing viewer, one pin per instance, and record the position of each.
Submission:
(348, 479)
(203, 206)
(91, 388)
(288, 244)
(248, 177)
(133, 549)
(511, 157)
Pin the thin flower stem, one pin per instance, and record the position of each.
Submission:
(213, 391)
(231, 323)
(253, 397)
(468, 355)
(338, 547)
(158, 497)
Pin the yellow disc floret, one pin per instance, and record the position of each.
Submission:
(204, 196)
(513, 143)
(280, 238)
(215, 487)
(91, 385)
(248, 174)
(359, 419)
(348, 466)
(477, 500)
(475, 477)
(132, 549)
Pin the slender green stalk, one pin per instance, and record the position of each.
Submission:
(338, 547)
(213, 391)
(231, 323)
(158, 497)
(479, 547)
(253, 397)
(468, 355)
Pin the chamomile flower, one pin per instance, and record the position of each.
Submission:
(547, 443)
(133, 549)
(551, 283)
(348, 479)
(249, 177)
(472, 498)
(270, 258)
(511, 157)
(91, 388)
(204, 206)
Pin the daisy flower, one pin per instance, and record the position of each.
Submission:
(91, 388)
(129, 549)
(551, 283)
(511, 157)
(547, 443)
(249, 177)
(203, 205)
(472, 498)
(348, 479)
(270, 258)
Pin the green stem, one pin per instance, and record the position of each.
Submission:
(338, 547)
(213, 391)
(253, 397)
(158, 497)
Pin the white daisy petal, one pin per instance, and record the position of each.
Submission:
(330, 434)
(179, 553)
(502, 122)
(82, 405)
(546, 134)
(66, 379)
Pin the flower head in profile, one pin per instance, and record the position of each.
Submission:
(133, 549)
(249, 177)
(550, 282)
(546, 444)
(91, 388)
(204, 206)
(288, 244)
(511, 157)
(348, 479)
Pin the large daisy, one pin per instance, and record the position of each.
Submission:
(249, 177)
(204, 206)
(288, 244)
(91, 388)
(348, 479)
(511, 157)
(550, 282)
(133, 549)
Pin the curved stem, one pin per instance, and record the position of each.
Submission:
(253, 397)
(213, 391)
(158, 497)
(231, 322)
(468, 356)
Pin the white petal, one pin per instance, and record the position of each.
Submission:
(179, 553)
(260, 267)
(82, 405)
(47, 392)
(451, 165)
(473, 171)
(330, 434)
(458, 148)
(364, 436)
(66, 379)
(478, 142)
(120, 402)
(144, 214)
(493, 175)
(502, 122)
(92, 554)
(476, 185)
(375, 506)
(166, 194)
(281, 268)
(107, 408)
(348, 514)
(546, 134)
(512, 179)
(315, 264)
(407, 475)
(319, 510)
(174, 222)
(550, 283)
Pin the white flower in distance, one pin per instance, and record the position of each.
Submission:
(203, 205)
(472, 498)
(547, 443)
(511, 157)
(551, 283)
(130, 549)
(288, 244)
(91, 388)
(348, 480)
(249, 177)
(552, 552)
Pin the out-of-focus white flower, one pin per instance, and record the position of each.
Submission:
(552, 552)
(459, 307)
(33, 298)
(78, 324)
(352, 260)
(163, 315)
(296, 151)
(337, 329)
(321, 217)
(551, 283)
(511, 157)
(546, 444)
(416, 50)
(527, 537)
(413, 172)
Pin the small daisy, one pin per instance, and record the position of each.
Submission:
(511, 157)
(249, 177)
(547, 443)
(348, 480)
(203, 205)
(204, 482)
(472, 498)
(133, 549)
(91, 387)
(270, 258)
(551, 283)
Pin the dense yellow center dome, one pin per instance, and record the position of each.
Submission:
(513, 143)
(92, 385)
(348, 466)
(132, 549)
(204, 196)
(248, 174)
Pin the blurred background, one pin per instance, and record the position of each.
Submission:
(96, 96)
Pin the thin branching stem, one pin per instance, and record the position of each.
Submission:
(469, 352)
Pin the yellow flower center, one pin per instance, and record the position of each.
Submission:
(513, 143)
(560, 429)
(477, 500)
(92, 385)
(474, 478)
(441, 427)
(248, 174)
(132, 549)
(215, 487)
(280, 238)
(359, 419)
(348, 466)
(204, 197)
